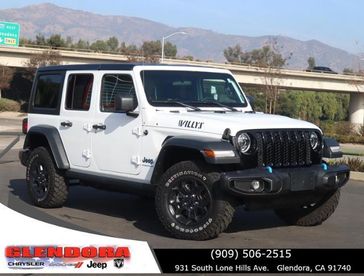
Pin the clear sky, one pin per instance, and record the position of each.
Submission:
(339, 23)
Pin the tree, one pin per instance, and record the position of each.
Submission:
(314, 106)
(24, 41)
(40, 40)
(82, 44)
(56, 41)
(170, 50)
(233, 54)
(68, 42)
(190, 58)
(112, 43)
(151, 48)
(311, 62)
(99, 46)
(270, 60)
(46, 58)
(6, 75)
(131, 49)
(348, 71)
(151, 51)
(263, 57)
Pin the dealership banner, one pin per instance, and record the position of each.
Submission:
(31, 246)
(260, 260)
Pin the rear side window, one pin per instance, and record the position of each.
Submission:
(112, 85)
(48, 90)
(79, 89)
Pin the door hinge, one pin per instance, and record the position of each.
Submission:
(135, 159)
(138, 131)
(86, 153)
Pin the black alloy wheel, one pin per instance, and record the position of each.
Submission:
(39, 179)
(189, 201)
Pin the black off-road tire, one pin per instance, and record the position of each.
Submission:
(50, 189)
(311, 216)
(219, 211)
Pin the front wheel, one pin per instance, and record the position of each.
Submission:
(311, 214)
(190, 204)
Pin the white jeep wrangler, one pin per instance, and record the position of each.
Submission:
(186, 133)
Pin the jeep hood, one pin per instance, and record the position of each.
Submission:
(216, 123)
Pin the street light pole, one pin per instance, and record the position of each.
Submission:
(163, 40)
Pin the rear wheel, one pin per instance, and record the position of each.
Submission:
(311, 214)
(190, 204)
(46, 185)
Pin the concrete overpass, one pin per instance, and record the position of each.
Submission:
(246, 75)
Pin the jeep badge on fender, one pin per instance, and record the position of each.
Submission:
(186, 134)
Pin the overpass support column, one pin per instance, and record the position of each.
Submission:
(356, 108)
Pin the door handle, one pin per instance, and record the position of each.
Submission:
(99, 126)
(66, 124)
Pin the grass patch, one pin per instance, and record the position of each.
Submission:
(9, 105)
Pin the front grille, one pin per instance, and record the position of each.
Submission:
(283, 148)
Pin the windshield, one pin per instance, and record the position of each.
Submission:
(167, 88)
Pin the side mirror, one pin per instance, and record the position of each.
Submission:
(125, 103)
(251, 101)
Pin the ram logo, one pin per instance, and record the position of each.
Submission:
(119, 263)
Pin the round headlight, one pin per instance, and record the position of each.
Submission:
(314, 140)
(244, 142)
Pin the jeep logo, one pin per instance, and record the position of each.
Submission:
(190, 124)
(148, 161)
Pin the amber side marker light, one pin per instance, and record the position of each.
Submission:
(209, 153)
(218, 153)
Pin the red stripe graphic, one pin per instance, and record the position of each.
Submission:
(78, 265)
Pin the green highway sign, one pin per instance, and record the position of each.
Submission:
(9, 34)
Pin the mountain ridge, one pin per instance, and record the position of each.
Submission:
(48, 18)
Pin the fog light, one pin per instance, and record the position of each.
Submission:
(257, 186)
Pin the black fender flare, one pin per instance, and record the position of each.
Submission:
(202, 143)
(197, 144)
(54, 140)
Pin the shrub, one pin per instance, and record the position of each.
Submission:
(354, 139)
(345, 128)
(327, 126)
(9, 105)
(361, 130)
(355, 164)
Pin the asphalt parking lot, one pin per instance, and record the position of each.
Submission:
(133, 217)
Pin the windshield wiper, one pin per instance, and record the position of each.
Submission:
(222, 105)
(194, 108)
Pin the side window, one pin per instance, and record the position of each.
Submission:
(48, 90)
(79, 89)
(112, 85)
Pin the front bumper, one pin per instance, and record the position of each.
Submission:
(271, 187)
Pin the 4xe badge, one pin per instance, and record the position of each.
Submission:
(119, 263)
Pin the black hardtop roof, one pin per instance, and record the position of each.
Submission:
(104, 66)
